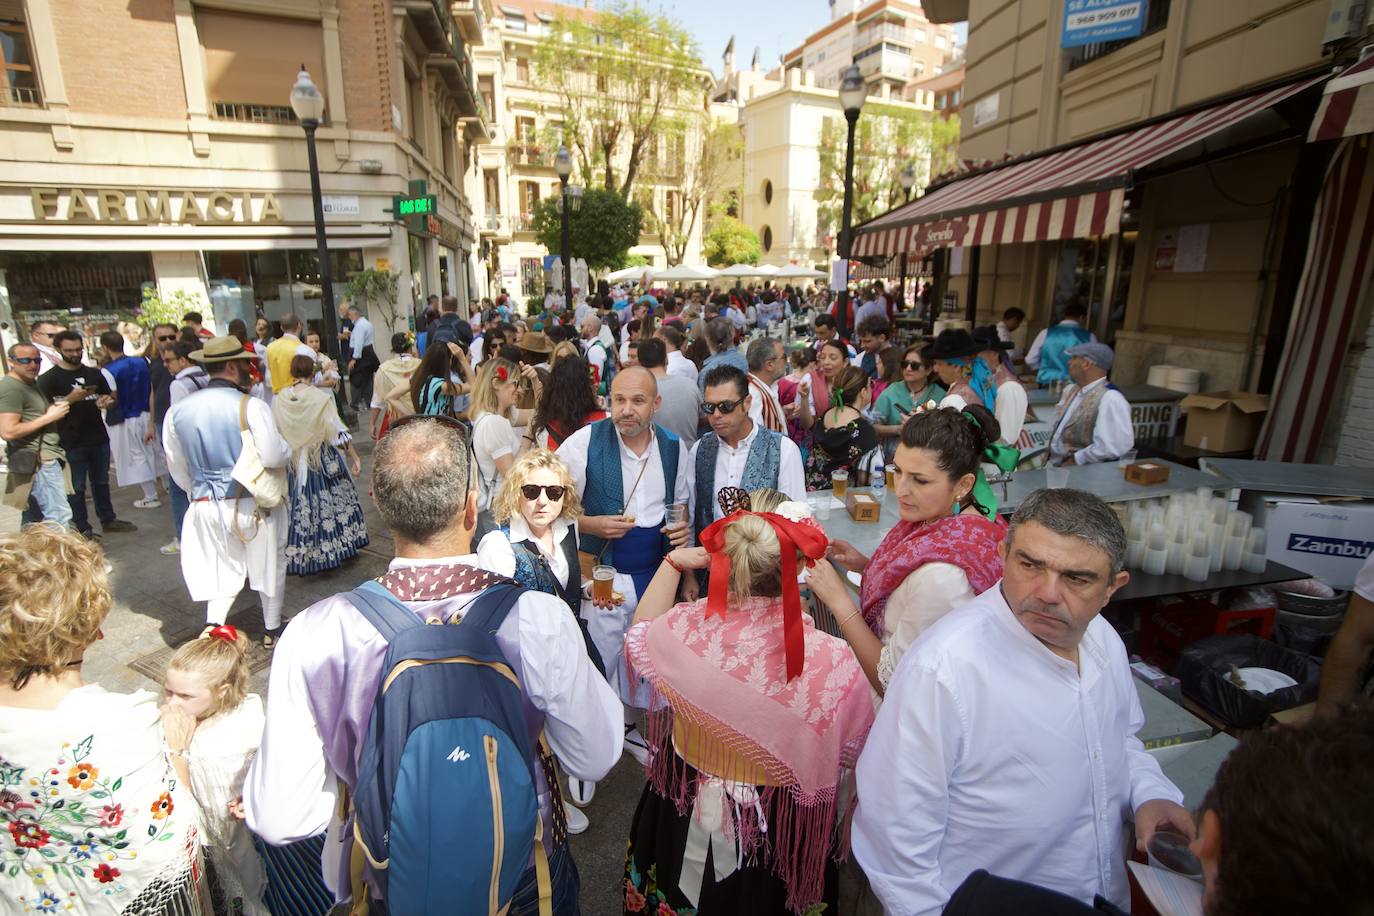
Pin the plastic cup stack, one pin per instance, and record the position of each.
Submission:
(1156, 552)
(1255, 543)
(1178, 551)
(1198, 566)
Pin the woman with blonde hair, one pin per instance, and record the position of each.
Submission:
(757, 719)
(495, 443)
(327, 524)
(94, 816)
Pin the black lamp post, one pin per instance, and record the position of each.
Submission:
(853, 91)
(908, 180)
(563, 164)
(308, 105)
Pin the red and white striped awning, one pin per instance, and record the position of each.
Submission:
(1072, 192)
(1347, 106)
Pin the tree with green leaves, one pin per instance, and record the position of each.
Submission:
(380, 288)
(730, 242)
(887, 139)
(602, 232)
(715, 166)
(158, 308)
(624, 78)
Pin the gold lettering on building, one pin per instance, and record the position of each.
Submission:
(178, 205)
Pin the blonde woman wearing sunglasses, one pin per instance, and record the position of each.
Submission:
(536, 509)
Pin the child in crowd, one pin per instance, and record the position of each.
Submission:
(213, 726)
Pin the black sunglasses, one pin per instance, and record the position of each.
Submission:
(25, 360)
(908, 364)
(554, 492)
(725, 407)
(166, 337)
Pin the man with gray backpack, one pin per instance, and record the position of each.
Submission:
(427, 751)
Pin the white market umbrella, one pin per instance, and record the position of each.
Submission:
(628, 273)
(742, 270)
(686, 273)
(766, 270)
(797, 272)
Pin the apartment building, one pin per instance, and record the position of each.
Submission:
(892, 42)
(164, 154)
(1171, 180)
(516, 166)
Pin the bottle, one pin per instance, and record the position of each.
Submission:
(877, 477)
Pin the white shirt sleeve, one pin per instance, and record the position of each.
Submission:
(682, 492)
(493, 438)
(573, 452)
(899, 826)
(922, 598)
(272, 448)
(1113, 434)
(1147, 779)
(583, 717)
(176, 459)
(791, 476)
(596, 356)
(1011, 410)
(1033, 355)
(495, 553)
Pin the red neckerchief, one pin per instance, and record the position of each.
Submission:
(434, 583)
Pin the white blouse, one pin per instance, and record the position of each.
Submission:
(923, 598)
(496, 552)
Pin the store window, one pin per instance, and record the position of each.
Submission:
(246, 284)
(1156, 18)
(16, 60)
(251, 63)
(88, 291)
(1081, 278)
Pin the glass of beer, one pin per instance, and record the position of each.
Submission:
(839, 482)
(603, 578)
(890, 475)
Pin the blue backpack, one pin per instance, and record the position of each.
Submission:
(446, 804)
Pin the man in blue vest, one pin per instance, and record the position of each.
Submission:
(628, 471)
(1046, 354)
(738, 452)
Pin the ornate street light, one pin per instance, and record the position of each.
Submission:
(308, 105)
(908, 180)
(853, 92)
(562, 163)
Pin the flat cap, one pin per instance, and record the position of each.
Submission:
(1098, 353)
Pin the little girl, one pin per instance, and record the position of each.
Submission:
(213, 727)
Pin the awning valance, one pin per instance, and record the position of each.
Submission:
(1347, 106)
(1071, 192)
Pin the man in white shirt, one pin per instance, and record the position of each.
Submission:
(678, 365)
(767, 364)
(1092, 422)
(1014, 719)
(1012, 319)
(1046, 354)
(873, 307)
(594, 348)
(327, 668)
(679, 409)
(362, 359)
(41, 333)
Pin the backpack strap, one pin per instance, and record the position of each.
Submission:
(489, 611)
(387, 613)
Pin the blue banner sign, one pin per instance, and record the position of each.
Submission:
(1088, 22)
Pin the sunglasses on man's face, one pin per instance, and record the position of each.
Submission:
(165, 338)
(25, 360)
(725, 407)
(531, 491)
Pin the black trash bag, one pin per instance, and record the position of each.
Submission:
(1202, 668)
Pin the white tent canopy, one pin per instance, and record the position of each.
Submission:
(685, 273)
(628, 273)
(797, 271)
(742, 270)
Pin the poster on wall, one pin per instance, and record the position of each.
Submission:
(839, 275)
(1192, 248)
(1089, 22)
(1166, 251)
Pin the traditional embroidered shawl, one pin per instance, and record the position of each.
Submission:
(307, 419)
(726, 678)
(967, 541)
(391, 375)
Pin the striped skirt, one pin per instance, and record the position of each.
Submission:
(295, 886)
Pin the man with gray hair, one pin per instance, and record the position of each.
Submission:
(327, 667)
(1092, 423)
(767, 364)
(1015, 718)
(720, 340)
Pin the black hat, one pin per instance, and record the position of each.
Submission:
(953, 343)
(987, 338)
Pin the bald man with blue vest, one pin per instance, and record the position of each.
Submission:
(628, 470)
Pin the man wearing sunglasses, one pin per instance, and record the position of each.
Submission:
(738, 452)
(28, 424)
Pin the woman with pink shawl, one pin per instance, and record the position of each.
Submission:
(755, 719)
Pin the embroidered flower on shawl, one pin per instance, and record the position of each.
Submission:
(162, 807)
(28, 835)
(82, 850)
(82, 776)
(47, 903)
(110, 815)
(13, 802)
(105, 874)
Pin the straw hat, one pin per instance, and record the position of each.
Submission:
(536, 342)
(222, 350)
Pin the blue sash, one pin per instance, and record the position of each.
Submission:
(638, 555)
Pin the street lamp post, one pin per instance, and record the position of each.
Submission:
(563, 164)
(852, 95)
(908, 180)
(308, 105)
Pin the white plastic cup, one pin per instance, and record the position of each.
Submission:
(1126, 459)
(1234, 553)
(1155, 561)
(1056, 478)
(1135, 552)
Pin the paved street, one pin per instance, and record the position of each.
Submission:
(152, 614)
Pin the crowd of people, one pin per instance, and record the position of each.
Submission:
(604, 512)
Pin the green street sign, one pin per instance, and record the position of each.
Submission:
(402, 207)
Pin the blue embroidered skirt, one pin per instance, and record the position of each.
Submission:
(327, 524)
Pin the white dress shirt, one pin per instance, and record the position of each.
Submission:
(1033, 355)
(1012, 759)
(874, 308)
(646, 503)
(188, 381)
(756, 405)
(475, 349)
(497, 553)
(360, 337)
(596, 356)
(922, 598)
(1006, 336)
(730, 464)
(1113, 434)
(681, 365)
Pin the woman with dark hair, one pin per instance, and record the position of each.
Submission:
(912, 389)
(942, 553)
(567, 404)
(843, 436)
(433, 388)
(889, 370)
(813, 396)
(239, 328)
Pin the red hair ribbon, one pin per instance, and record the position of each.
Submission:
(809, 539)
(501, 373)
(225, 632)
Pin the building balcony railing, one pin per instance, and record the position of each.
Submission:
(471, 19)
(524, 222)
(662, 168)
(531, 155)
(253, 114)
(26, 96)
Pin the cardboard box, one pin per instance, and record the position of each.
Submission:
(1145, 473)
(1329, 540)
(1229, 420)
(862, 506)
